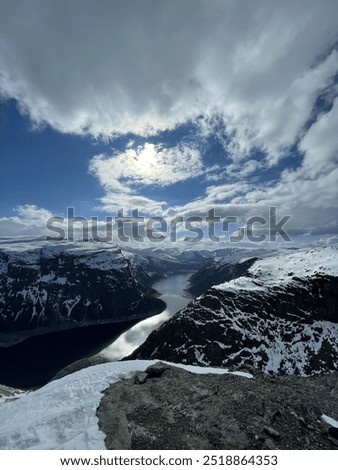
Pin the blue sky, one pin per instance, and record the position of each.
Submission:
(169, 108)
(43, 167)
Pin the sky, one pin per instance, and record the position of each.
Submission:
(172, 108)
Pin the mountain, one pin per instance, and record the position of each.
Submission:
(217, 271)
(56, 286)
(212, 266)
(282, 317)
(151, 264)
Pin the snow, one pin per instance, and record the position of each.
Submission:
(330, 421)
(9, 393)
(62, 414)
(279, 270)
(103, 256)
(61, 281)
(292, 355)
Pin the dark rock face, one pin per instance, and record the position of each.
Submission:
(57, 287)
(287, 329)
(170, 408)
(216, 272)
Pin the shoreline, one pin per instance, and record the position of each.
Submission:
(7, 340)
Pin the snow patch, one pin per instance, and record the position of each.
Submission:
(330, 421)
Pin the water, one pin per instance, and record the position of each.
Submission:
(35, 361)
(170, 289)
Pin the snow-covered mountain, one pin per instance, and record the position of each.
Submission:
(278, 313)
(61, 285)
(150, 265)
(281, 317)
(216, 271)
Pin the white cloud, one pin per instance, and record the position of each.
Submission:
(243, 169)
(274, 122)
(29, 221)
(113, 201)
(320, 144)
(309, 193)
(122, 174)
(117, 67)
(147, 165)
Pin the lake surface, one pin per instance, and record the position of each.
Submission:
(170, 289)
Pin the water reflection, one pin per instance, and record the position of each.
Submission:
(171, 289)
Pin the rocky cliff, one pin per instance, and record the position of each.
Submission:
(217, 271)
(280, 318)
(67, 285)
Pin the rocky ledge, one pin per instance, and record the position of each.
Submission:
(169, 408)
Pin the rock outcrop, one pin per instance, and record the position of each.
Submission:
(169, 408)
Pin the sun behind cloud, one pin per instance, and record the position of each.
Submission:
(146, 160)
(147, 165)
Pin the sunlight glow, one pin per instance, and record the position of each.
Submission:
(147, 159)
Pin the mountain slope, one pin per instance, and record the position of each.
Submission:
(217, 271)
(281, 318)
(67, 285)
